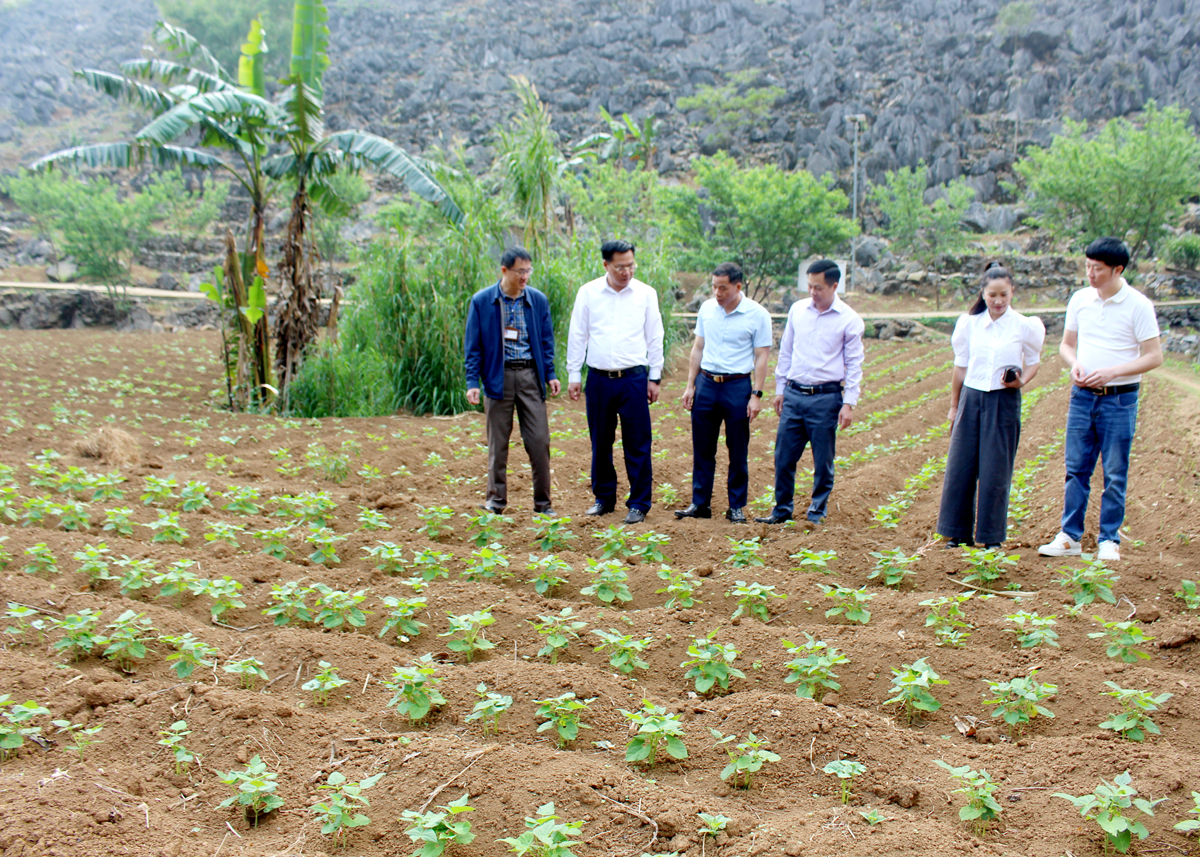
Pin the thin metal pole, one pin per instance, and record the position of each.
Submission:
(854, 214)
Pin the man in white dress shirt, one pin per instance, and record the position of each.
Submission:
(617, 329)
(1111, 338)
(817, 381)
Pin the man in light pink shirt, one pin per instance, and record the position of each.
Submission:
(817, 382)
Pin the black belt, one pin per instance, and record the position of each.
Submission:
(721, 379)
(631, 372)
(519, 364)
(812, 390)
(1112, 391)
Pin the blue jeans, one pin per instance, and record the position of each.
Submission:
(1098, 427)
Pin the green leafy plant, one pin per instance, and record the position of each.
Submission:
(469, 627)
(918, 229)
(13, 732)
(225, 593)
(894, 566)
(1133, 722)
(177, 581)
(546, 835)
(562, 713)
(72, 516)
(172, 739)
(1090, 582)
(324, 683)
(610, 582)
(616, 542)
(754, 599)
(811, 560)
(255, 790)
(655, 729)
(1019, 700)
(414, 689)
(118, 521)
(811, 667)
(559, 629)
(849, 603)
(745, 552)
(193, 497)
(127, 641)
(336, 608)
(1107, 806)
(981, 809)
(745, 759)
(1187, 592)
(159, 491)
(624, 650)
(681, 587)
(551, 573)
(79, 635)
(845, 770)
(41, 560)
(25, 619)
(649, 547)
(81, 735)
(946, 618)
(274, 541)
(431, 563)
(225, 533)
(1189, 824)
(712, 824)
(488, 709)
(324, 542)
(338, 813)
(168, 529)
(372, 519)
(911, 684)
(489, 563)
(487, 527)
(247, 670)
(987, 565)
(1033, 630)
(551, 534)
(401, 617)
(711, 663)
(93, 562)
(189, 653)
(290, 603)
(436, 830)
(435, 521)
(242, 500)
(1123, 639)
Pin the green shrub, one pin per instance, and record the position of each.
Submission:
(1184, 251)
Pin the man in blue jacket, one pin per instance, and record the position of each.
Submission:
(510, 349)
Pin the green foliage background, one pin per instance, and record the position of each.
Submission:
(222, 26)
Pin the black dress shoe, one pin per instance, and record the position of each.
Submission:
(487, 507)
(635, 516)
(738, 516)
(546, 513)
(598, 508)
(774, 518)
(694, 511)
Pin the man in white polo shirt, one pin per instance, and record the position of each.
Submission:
(1111, 338)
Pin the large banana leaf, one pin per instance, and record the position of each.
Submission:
(179, 39)
(123, 88)
(310, 44)
(303, 108)
(387, 156)
(230, 104)
(252, 67)
(126, 155)
(167, 72)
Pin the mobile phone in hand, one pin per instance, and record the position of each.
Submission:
(1011, 373)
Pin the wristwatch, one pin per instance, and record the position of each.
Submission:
(656, 380)
(758, 393)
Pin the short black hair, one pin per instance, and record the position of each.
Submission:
(730, 270)
(512, 254)
(828, 267)
(611, 248)
(1109, 250)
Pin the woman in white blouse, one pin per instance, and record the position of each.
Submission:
(996, 352)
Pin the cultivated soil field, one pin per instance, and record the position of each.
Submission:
(126, 795)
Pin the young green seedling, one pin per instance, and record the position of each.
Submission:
(1190, 824)
(390, 557)
(559, 630)
(336, 608)
(225, 593)
(753, 598)
(745, 553)
(172, 739)
(1187, 592)
(118, 521)
(194, 496)
(624, 650)
(1088, 583)
(894, 566)
(159, 492)
(401, 617)
(488, 709)
(546, 835)
(189, 654)
(911, 685)
(1033, 630)
(436, 830)
(712, 824)
(551, 534)
(845, 770)
(290, 603)
(745, 759)
(1133, 722)
(610, 583)
(81, 736)
(655, 729)
(469, 627)
(247, 670)
(324, 542)
(1123, 639)
(274, 541)
(324, 683)
(487, 527)
(649, 547)
(681, 587)
(24, 619)
(616, 542)
(13, 732)
(1018, 700)
(711, 663)
(242, 500)
(414, 689)
(435, 521)
(487, 563)
(93, 562)
(41, 560)
(127, 642)
(431, 563)
(1107, 805)
(987, 565)
(848, 603)
(255, 789)
(551, 573)
(168, 529)
(338, 813)
(225, 533)
(177, 581)
(981, 809)
(946, 618)
(562, 714)
(811, 667)
(372, 519)
(811, 560)
(79, 633)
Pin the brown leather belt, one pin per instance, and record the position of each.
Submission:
(721, 379)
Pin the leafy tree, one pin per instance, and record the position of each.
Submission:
(262, 144)
(1127, 180)
(221, 24)
(624, 140)
(607, 202)
(766, 219)
(741, 103)
(921, 230)
(187, 213)
(529, 165)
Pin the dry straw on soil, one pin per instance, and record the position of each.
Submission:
(110, 446)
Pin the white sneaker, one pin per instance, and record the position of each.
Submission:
(1109, 552)
(1062, 545)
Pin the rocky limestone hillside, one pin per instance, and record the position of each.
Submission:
(938, 80)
